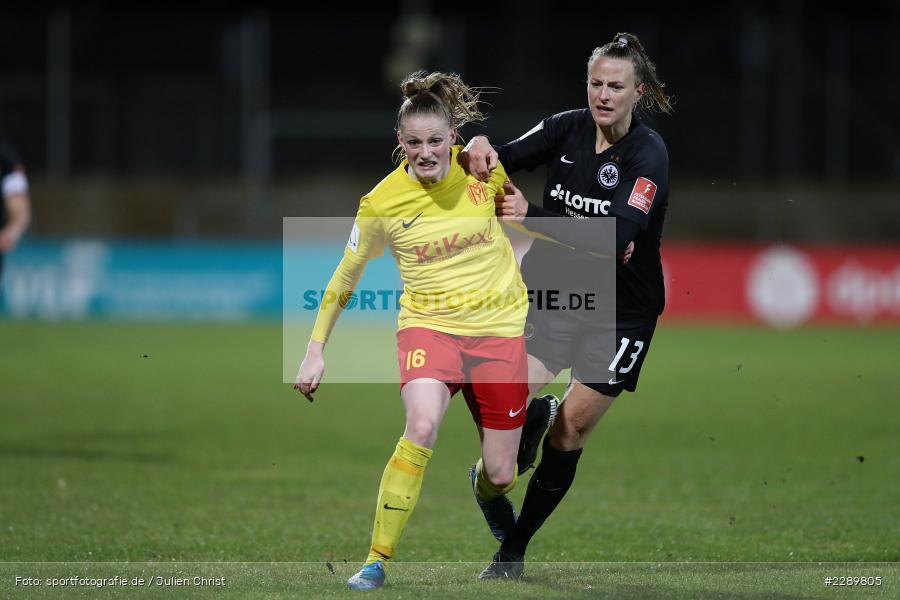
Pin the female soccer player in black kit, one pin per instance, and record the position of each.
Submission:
(15, 210)
(602, 161)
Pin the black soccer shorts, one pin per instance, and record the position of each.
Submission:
(605, 356)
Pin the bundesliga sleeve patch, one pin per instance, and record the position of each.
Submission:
(642, 195)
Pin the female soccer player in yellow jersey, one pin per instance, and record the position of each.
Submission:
(462, 312)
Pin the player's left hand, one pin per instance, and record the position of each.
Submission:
(512, 204)
(626, 255)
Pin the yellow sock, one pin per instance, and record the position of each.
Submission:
(487, 490)
(397, 496)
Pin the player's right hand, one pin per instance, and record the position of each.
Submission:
(311, 370)
(479, 158)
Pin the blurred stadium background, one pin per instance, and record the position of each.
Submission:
(173, 127)
(165, 145)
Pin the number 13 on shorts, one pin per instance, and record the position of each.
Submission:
(624, 345)
(415, 358)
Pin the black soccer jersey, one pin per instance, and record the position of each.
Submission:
(628, 181)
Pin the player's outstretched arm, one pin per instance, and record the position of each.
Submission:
(337, 293)
(513, 208)
(311, 370)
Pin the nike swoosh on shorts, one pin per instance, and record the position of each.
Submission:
(513, 415)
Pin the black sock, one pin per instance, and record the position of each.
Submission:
(550, 482)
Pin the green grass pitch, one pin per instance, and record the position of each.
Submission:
(746, 458)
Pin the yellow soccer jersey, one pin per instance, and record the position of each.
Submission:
(458, 268)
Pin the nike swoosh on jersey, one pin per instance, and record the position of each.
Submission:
(394, 508)
(615, 381)
(568, 162)
(513, 415)
(408, 225)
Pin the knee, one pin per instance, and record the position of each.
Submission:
(567, 435)
(501, 474)
(578, 415)
(421, 431)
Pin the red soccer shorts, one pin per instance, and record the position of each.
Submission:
(492, 372)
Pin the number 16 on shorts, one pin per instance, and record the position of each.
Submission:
(415, 358)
